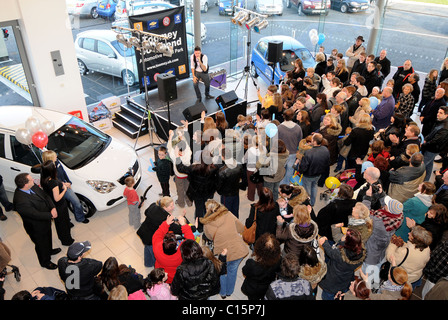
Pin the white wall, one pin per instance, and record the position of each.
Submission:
(45, 27)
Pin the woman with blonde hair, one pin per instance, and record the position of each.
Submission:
(444, 71)
(302, 231)
(342, 71)
(359, 220)
(364, 108)
(321, 64)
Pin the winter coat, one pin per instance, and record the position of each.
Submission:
(315, 161)
(353, 54)
(295, 237)
(229, 180)
(275, 164)
(383, 112)
(163, 260)
(359, 140)
(336, 211)
(201, 184)
(161, 292)
(360, 225)
(341, 266)
(195, 280)
(414, 208)
(290, 289)
(331, 135)
(404, 182)
(415, 261)
(224, 229)
(266, 220)
(257, 278)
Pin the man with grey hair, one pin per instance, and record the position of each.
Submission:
(428, 117)
(384, 111)
(384, 62)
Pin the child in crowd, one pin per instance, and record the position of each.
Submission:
(133, 202)
(156, 286)
(283, 206)
(334, 54)
(220, 262)
(163, 171)
(241, 122)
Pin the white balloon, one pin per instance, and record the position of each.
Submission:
(24, 136)
(314, 39)
(33, 125)
(48, 127)
(312, 32)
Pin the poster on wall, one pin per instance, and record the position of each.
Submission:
(171, 24)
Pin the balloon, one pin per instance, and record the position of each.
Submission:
(332, 183)
(271, 130)
(40, 139)
(312, 33)
(48, 127)
(373, 102)
(321, 38)
(314, 39)
(33, 125)
(24, 136)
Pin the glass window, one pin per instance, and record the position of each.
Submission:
(77, 143)
(88, 44)
(2, 145)
(262, 48)
(104, 49)
(24, 154)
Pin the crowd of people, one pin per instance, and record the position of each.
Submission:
(383, 230)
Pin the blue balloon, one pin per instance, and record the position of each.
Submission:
(321, 38)
(373, 102)
(271, 130)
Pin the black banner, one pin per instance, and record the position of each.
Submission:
(169, 23)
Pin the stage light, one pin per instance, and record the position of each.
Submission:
(164, 49)
(134, 41)
(122, 39)
(261, 25)
(252, 22)
(243, 19)
(237, 16)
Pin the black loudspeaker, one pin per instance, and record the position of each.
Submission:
(275, 51)
(227, 99)
(194, 112)
(166, 84)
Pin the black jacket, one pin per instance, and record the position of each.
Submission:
(336, 211)
(229, 180)
(257, 278)
(359, 140)
(437, 139)
(266, 220)
(315, 161)
(196, 280)
(202, 184)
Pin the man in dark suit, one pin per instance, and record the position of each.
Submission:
(37, 210)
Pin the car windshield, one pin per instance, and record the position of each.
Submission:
(122, 50)
(77, 143)
(270, 2)
(289, 56)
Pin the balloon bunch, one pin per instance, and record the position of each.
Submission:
(316, 38)
(35, 132)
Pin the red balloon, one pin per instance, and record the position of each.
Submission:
(40, 139)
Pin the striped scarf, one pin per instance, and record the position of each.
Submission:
(391, 221)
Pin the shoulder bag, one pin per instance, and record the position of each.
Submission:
(249, 233)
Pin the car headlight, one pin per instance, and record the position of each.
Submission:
(101, 186)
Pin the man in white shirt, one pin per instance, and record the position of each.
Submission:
(199, 70)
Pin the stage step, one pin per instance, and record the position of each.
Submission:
(128, 120)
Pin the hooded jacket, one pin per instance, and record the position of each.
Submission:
(414, 208)
(295, 237)
(331, 135)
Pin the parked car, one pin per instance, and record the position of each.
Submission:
(99, 50)
(141, 8)
(225, 7)
(292, 49)
(106, 8)
(125, 8)
(310, 6)
(95, 162)
(269, 7)
(350, 5)
(82, 8)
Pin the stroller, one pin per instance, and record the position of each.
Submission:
(5, 258)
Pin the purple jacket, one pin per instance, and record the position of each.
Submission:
(383, 113)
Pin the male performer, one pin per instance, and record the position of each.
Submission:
(199, 70)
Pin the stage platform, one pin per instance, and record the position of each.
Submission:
(186, 97)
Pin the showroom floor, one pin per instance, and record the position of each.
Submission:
(108, 231)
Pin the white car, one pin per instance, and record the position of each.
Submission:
(269, 7)
(99, 50)
(95, 162)
(82, 8)
(121, 15)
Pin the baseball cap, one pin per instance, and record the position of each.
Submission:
(393, 206)
(77, 249)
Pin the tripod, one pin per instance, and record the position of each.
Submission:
(246, 71)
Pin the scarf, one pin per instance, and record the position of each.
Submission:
(389, 286)
(391, 221)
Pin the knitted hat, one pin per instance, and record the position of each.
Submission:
(393, 206)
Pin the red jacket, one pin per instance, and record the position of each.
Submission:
(168, 262)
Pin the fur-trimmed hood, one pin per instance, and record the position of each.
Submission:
(298, 238)
(334, 131)
(351, 257)
(215, 215)
(300, 197)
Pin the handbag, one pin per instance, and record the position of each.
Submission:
(249, 233)
(385, 267)
(256, 178)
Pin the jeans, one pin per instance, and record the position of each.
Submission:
(148, 255)
(327, 295)
(310, 185)
(273, 186)
(289, 169)
(78, 211)
(428, 158)
(228, 280)
(232, 203)
(206, 79)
